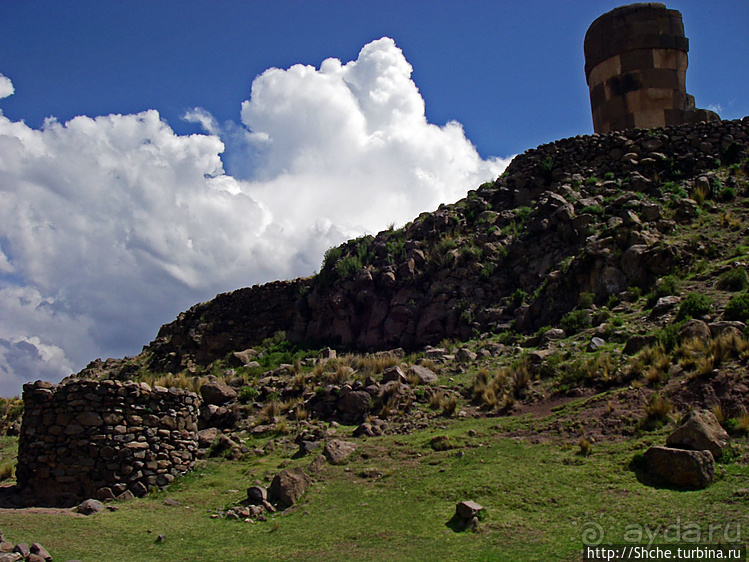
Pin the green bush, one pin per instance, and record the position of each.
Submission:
(348, 266)
(247, 394)
(734, 280)
(694, 305)
(576, 321)
(737, 308)
(547, 168)
(665, 287)
(585, 300)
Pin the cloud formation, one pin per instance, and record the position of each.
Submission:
(6, 87)
(109, 226)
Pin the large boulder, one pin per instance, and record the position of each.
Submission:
(680, 467)
(217, 392)
(288, 486)
(700, 431)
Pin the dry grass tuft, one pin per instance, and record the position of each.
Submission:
(270, 412)
(182, 380)
(7, 471)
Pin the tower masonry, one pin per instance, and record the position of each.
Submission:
(636, 66)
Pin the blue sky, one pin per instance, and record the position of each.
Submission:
(178, 164)
(510, 72)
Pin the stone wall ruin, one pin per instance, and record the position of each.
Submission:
(88, 439)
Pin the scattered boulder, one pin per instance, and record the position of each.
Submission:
(394, 373)
(217, 392)
(40, 551)
(257, 495)
(424, 374)
(337, 451)
(367, 430)
(554, 334)
(10, 557)
(355, 403)
(242, 358)
(596, 343)
(435, 353)
(89, 507)
(637, 343)
(206, 437)
(695, 329)
(466, 516)
(700, 431)
(329, 353)
(723, 326)
(680, 467)
(664, 305)
(464, 355)
(288, 486)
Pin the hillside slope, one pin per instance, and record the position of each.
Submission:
(593, 214)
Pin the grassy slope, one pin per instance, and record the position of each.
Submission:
(395, 498)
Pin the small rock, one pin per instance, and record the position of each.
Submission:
(337, 451)
(424, 374)
(553, 334)
(40, 551)
(464, 355)
(23, 549)
(172, 502)
(466, 516)
(206, 437)
(718, 328)
(664, 304)
(256, 495)
(596, 343)
(394, 373)
(367, 430)
(89, 507)
(695, 329)
(161, 538)
(288, 486)
(242, 358)
(637, 343)
(139, 489)
(127, 495)
(467, 509)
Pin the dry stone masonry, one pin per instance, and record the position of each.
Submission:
(82, 439)
(636, 66)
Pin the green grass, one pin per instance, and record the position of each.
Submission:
(540, 499)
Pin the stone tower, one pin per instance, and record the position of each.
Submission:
(636, 66)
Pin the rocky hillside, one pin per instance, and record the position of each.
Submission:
(596, 215)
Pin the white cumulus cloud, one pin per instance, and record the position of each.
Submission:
(6, 87)
(109, 226)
